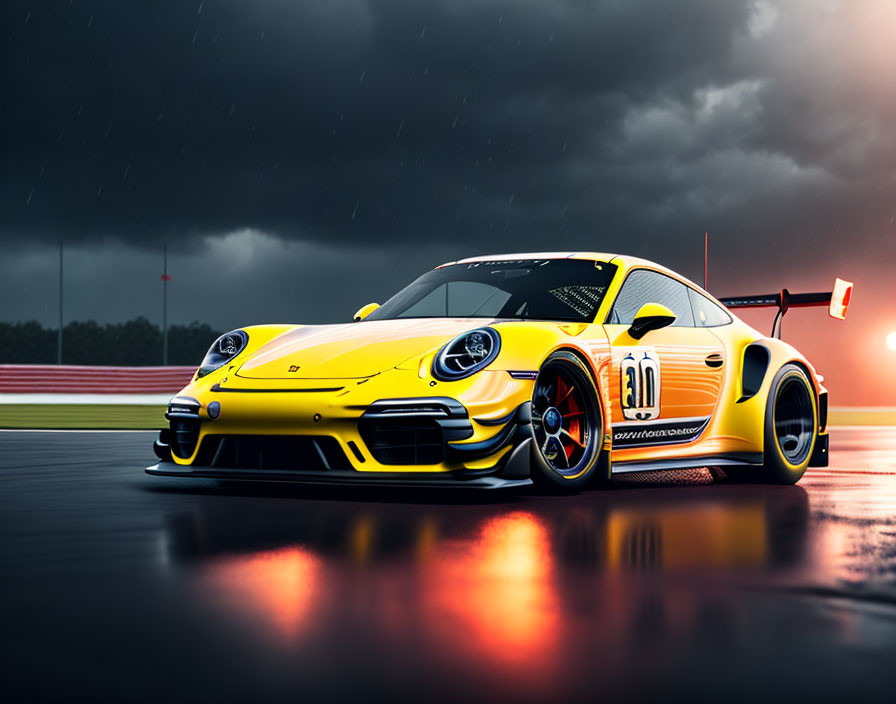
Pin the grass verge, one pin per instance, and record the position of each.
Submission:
(81, 416)
(862, 416)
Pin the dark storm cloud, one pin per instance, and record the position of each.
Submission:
(348, 121)
(458, 127)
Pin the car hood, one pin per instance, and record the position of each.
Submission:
(352, 350)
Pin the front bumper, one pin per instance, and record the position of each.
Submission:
(424, 440)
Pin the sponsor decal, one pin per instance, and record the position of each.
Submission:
(640, 390)
(658, 433)
(294, 368)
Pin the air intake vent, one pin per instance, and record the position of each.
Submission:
(273, 452)
(413, 430)
(404, 440)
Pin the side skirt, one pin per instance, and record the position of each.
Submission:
(687, 463)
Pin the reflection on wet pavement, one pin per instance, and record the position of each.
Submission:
(517, 592)
(657, 587)
(854, 516)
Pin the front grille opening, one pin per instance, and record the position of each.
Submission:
(183, 436)
(313, 453)
(403, 440)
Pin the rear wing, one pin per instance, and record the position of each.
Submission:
(837, 301)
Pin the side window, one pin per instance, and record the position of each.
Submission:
(706, 313)
(643, 286)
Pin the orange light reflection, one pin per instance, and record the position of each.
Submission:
(279, 585)
(496, 596)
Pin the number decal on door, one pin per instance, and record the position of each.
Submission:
(640, 392)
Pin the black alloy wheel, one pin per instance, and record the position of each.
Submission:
(567, 423)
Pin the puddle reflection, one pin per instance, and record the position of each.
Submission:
(526, 588)
(497, 588)
(280, 586)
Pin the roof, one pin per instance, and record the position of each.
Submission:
(535, 255)
(596, 256)
(625, 260)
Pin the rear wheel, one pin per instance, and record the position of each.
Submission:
(791, 428)
(567, 424)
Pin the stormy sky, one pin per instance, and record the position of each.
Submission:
(304, 157)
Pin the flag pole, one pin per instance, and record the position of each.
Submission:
(59, 337)
(165, 280)
(705, 259)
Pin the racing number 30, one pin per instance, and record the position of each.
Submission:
(640, 395)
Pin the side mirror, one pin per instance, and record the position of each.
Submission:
(365, 311)
(651, 316)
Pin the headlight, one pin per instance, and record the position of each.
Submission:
(223, 350)
(466, 354)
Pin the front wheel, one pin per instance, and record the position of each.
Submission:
(567, 424)
(791, 429)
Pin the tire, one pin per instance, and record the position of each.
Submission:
(791, 429)
(567, 425)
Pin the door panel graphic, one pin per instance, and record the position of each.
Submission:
(664, 380)
(640, 392)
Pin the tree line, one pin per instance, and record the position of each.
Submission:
(137, 342)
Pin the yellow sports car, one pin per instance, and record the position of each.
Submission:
(558, 368)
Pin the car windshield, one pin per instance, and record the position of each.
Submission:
(567, 290)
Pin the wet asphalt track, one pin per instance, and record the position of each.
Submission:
(117, 585)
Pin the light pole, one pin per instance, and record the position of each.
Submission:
(165, 280)
(59, 338)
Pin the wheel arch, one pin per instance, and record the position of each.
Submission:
(810, 374)
(815, 385)
(583, 357)
(776, 365)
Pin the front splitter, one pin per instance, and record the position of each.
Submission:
(337, 477)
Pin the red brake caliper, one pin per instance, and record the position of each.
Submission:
(575, 427)
(561, 391)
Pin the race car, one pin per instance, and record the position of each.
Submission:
(562, 369)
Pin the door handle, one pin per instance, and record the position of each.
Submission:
(714, 361)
